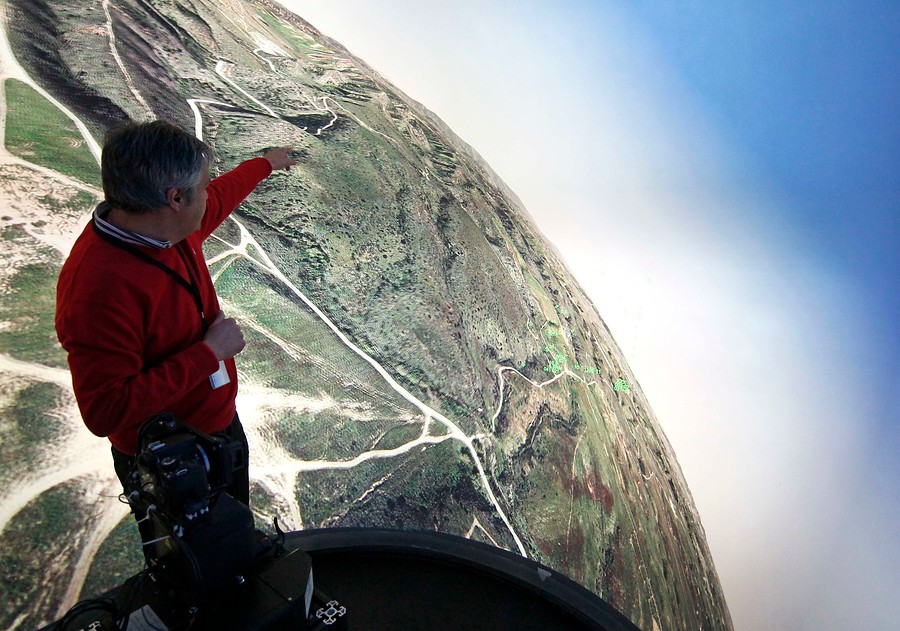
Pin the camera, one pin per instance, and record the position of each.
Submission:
(209, 568)
(195, 535)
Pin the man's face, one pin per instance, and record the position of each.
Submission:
(194, 211)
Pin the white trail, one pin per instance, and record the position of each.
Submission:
(221, 66)
(120, 63)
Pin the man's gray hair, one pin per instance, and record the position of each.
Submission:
(141, 161)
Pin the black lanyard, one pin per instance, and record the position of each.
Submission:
(189, 284)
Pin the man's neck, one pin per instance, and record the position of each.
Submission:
(149, 224)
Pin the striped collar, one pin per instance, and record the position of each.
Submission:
(100, 214)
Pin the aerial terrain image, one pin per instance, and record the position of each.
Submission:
(418, 356)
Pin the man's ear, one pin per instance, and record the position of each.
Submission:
(174, 197)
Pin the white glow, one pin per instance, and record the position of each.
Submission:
(749, 349)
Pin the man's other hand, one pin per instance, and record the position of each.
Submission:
(280, 158)
(224, 337)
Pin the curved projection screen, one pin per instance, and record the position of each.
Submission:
(418, 355)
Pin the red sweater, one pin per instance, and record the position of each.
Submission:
(134, 334)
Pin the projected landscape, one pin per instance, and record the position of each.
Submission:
(418, 356)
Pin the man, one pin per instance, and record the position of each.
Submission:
(136, 308)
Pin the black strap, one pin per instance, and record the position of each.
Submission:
(189, 285)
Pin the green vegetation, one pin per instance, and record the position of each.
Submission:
(327, 494)
(347, 175)
(75, 206)
(399, 435)
(437, 483)
(300, 41)
(29, 425)
(118, 558)
(38, 132)
(28, 307)
(314, 359)
(34, 571)
(327, 435)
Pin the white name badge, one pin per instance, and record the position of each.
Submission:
(220, 377)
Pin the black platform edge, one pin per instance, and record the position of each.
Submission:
(563, 592)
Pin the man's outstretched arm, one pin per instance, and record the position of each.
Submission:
(230, 189)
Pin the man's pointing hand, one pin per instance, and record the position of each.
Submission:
(280, 158)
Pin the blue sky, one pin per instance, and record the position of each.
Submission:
(812, 91)
(722, 180)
